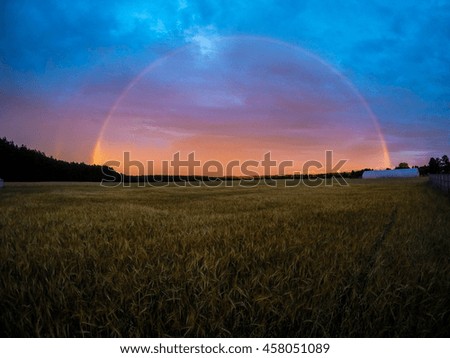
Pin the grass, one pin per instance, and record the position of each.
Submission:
(368, 260)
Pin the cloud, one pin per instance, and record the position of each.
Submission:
(205, 38)
(182, 4)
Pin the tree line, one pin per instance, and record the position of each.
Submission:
(19, 163)
(435, 166)
(439, 165)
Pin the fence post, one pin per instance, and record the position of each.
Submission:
(441, 181)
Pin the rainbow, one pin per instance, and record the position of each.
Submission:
(96, 153)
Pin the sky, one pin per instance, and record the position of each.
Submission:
(229, 80)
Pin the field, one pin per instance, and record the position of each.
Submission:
(371, 259)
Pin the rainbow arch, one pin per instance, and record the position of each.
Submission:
(154, 65)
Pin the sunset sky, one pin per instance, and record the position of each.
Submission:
(228, 80)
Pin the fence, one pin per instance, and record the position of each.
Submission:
(441, 181)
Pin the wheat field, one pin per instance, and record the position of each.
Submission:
(371, 259)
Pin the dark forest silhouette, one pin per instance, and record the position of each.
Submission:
(19, 163)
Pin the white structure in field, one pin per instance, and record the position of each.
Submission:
(394, 173)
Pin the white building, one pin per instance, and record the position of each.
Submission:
(395, 173)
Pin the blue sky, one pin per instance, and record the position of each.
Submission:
(63, 64)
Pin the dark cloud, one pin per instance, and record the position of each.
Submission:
(36, 34)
